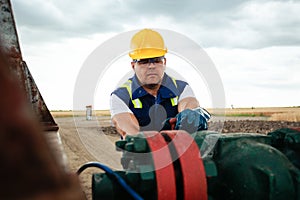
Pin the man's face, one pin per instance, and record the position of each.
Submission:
(149, 71)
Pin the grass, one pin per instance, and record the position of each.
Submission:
(77, 113)
(291, 116)
(272, 113)
(245, 115)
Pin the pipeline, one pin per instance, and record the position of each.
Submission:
(206, 165)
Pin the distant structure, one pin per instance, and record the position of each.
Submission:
(89, 112)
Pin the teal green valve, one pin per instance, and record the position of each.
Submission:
(205, 165)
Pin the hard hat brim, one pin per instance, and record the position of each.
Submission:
(147, 53)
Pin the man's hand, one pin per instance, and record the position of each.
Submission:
(169, 123)
(126, 124)
(192, 120)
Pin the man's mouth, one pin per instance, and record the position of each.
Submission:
(151, 74)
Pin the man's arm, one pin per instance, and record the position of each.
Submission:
(122, 117)
(191, 117)
(188, 103)
(187, 99)
(126, 124)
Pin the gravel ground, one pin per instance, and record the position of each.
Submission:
(84, 141)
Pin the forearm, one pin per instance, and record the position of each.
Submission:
(188, 103)
(126, 124)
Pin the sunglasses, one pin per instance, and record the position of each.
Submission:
(156, 60)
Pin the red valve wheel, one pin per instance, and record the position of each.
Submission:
(192, 168)
(164, 170)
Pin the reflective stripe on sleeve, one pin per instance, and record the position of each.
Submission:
(136, 102)
(174, 101)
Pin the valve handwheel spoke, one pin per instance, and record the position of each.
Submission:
(192, 168)
(164, 170)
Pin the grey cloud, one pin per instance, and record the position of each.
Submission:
(35, 15)
(40, 21)
(253, 24)
(181, 9)
(229, 24)
(67, 14)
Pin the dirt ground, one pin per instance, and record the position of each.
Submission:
(84, 141)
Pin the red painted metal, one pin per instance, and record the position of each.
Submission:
(164, 170)
(9, 44)
(192, 168)
(296, 128)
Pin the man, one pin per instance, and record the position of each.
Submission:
(152, 100)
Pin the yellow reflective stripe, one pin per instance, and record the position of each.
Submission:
(136, 102)
(174, 101)
(127, 85)
(174, 81)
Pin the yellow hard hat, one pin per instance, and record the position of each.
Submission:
(147, 44)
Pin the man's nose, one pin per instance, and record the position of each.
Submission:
(151, 65)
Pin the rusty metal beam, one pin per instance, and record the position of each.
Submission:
(9, 43)
(30, 167)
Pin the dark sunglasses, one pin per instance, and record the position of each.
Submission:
(156, 60)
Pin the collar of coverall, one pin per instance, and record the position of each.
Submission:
(166, 90)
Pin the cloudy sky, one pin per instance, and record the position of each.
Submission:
(254, 45)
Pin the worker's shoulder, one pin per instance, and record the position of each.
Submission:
(121, 92)
(181, 84)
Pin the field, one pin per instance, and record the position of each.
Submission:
(93, 140)
(291, 114)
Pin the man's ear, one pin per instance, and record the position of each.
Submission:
(132, 65)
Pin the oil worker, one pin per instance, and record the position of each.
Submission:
(152, 100)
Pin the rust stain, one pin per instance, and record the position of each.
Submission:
(9, 43)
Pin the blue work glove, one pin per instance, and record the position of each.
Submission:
(192, 120)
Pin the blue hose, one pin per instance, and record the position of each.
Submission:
(111, 173)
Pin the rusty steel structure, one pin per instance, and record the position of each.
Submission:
(9, 43)
(32, 160)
